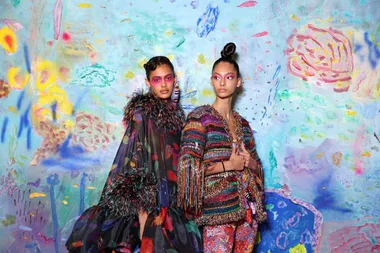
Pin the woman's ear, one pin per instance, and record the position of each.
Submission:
(239, 82)
(147, 82)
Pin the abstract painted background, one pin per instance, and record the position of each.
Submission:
(311, 93)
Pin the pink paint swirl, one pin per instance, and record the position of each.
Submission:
(364, 238)
(324, 54)
(247, 4)
(92, 133)
(261, 34)
(57, 18)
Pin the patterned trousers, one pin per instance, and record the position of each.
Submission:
(230, 238)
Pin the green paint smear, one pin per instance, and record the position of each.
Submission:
(331, 115)
(286, 94)
(293, 131)
(319, 100)
(272, 161)
(9, 220)
(318, 121)
(181, 41)
(15, 3)
(94, 76)
(269, 206)
(305, 105)
(302, 8)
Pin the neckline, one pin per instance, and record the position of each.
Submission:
(238, 125)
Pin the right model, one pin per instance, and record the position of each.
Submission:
(219, 173)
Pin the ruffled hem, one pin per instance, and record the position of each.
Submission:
(171, 232)
(94, 232)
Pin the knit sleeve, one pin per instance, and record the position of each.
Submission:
(250, 145)
(190, 166)
(257, 183)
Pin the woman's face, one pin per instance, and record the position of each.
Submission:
(161, 81)
(225, 80)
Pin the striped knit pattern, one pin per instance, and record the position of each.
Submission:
(217, 199)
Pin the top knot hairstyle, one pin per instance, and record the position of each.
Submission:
(156, 61)
(226, 56)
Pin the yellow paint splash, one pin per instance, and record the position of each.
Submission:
(366, 153)
(351, 113)
(91, 187)
(65, 202)
(142, 62)
(328, 19)
(16, 79)
(75, 185)
(126, 20)
(40, 114)
(47, 75)
(69, 124)
(320, 135)
(300, 248)
(36, 195)
(207, 92)
(56, 94)
(320, 155)
(171, 57)
(84, 5)
(201, 59)
(129, 75)
(294, 17)
(12, 109)
(8, 40)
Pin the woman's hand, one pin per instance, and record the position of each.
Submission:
(236, 160)
(249, 162)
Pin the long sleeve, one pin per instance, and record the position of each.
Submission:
(190, 167)
(131, 185)
(257, 183)
(250, 144)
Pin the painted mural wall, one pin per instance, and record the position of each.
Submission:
(311, 93)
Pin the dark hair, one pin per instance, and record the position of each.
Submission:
(226, 56)
(156, 61)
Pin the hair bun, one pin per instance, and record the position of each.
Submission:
(228, 50)
(146, 66)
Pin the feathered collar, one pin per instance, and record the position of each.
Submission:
(168, 115)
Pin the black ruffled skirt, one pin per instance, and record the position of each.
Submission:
(165, 231)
